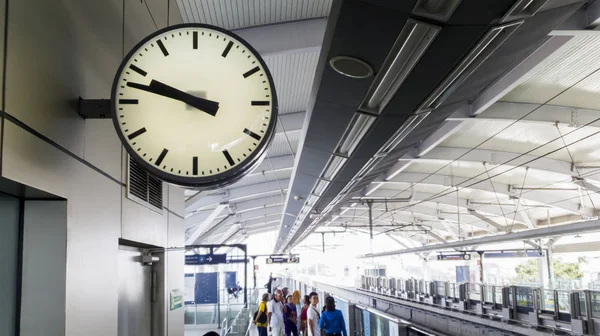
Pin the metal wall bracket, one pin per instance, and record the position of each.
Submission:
(94, 108)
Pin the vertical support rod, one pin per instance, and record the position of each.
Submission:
(246, 276)
(370, 204)
(480, 266)
(323, 240)
(218, 298)
(254, 269)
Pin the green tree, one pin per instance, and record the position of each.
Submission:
(566, 271)
(530, 272)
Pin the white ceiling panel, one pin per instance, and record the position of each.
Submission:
(293, 75)
(569, 65)
(284, 144)
(523, 137)
(236, 14)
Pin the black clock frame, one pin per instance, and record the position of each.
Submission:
(201, 182)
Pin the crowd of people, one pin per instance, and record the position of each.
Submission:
(277, 315)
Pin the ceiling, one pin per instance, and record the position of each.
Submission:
(510, 147)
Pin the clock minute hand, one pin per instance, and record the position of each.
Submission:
(165, 90)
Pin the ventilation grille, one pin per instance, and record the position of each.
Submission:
(143, 187)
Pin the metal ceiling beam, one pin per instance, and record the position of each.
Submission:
(233, 230)
(546, 114)
(286, 38)
(274, 164)
(517, 75)
(241, 207)
(449, 200)
(205, 224)
(494, 224)
(448, 128)
(237, 194)
(556, 230)
(540, 196)
(495, 157)
(586, 18)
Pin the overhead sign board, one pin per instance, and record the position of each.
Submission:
(206, 259)
(515, 254)
(283, 260)
(454, 257)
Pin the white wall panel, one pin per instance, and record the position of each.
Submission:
(158, 9)
(102, 146)
(93, 227)
(174, 13)
(9, 239)
(2, 17)
(143, 225)
(44, 268)
(58, 51)
(138, 23)
(175, 271)
(176, 201)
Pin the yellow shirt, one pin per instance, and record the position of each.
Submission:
(263, 308)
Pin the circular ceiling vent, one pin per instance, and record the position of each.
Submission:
(351, 67)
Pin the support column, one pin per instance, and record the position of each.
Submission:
(544, 271)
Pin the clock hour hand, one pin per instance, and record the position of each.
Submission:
(159, 88)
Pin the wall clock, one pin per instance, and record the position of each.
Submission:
(195, 105)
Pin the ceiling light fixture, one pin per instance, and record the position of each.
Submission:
(411, 44)
(484, 49)
(351, 67)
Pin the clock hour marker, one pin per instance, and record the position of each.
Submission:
(226, 51)
(261, 103)
(128, 101)
(228, 157)
(161, 156)
(251, 72)
(162, 47)
(252, 134)
(195, 40)
(138, 70)
(137, 133)
(195, 165)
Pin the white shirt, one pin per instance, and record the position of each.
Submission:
(312, 314)
(276, 308)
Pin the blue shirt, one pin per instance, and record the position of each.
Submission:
(333, 322)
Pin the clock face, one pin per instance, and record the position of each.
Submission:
(195, 104)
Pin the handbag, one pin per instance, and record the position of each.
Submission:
(262, 318)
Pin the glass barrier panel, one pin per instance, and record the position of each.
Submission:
(595, 304)
(548, 299)
(582, 304)
(563, 302)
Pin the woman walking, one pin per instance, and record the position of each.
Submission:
(332, 320)
(303, 312)
(261, 317)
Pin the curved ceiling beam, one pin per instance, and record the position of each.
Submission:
(540, 196)
(240, 193)
(286, 38)
(240, 207)
(546, 114)
(450, 200)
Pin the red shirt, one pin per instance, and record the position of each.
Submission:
(303, 313)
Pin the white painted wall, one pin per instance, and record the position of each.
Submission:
(44, 268)
(57, 51)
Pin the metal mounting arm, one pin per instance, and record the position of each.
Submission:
(94, 108)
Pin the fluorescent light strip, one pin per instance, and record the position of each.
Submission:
(334, 165)
(359, 126)
(484, 49)
(411, 44)
(408, 126)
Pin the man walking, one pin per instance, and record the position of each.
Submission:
(276, 308)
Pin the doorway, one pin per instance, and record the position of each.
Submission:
(135, 293)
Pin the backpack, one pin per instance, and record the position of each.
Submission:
(262, 318)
